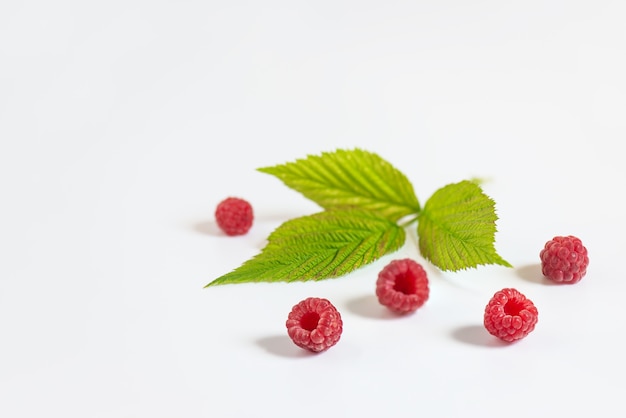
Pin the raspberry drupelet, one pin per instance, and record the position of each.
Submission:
(564, 259)
(234, 216)
(314, 324)
(510, 315)
(402, 286)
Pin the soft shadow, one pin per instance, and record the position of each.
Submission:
(207, 228)
(477, 335)
(532, 273)
(369, 307)
(211, 228)
(282, 346)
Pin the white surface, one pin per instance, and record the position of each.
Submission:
(123, 124)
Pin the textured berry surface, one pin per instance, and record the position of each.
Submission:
(402, 286)
(510, 315)
(234, 216)
(314, 324)
(564, 259)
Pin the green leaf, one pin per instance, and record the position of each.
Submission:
(319, 246)
(350, 179)
(457, 228)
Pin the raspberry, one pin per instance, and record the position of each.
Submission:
(402, 286)
(564, 259)
(314, 324)
(510, 315)
(234, 216)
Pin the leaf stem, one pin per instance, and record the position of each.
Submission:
(409, 221)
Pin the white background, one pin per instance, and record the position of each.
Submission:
(124, 123)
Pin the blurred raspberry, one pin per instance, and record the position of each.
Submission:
(402, 286)
(234, 216)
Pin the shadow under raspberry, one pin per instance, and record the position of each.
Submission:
(477, 335)
(282, 346)
(532, 273)
(207, 228)
(368, 306)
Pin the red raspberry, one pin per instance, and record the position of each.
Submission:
(314, 324)
(234, 216)
(402, 286)
(564, 259)
(509, 315)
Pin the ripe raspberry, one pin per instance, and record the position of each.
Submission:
(234, 216)
(509, 315)
(402, 286)
(314, 324)
(564, 259)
